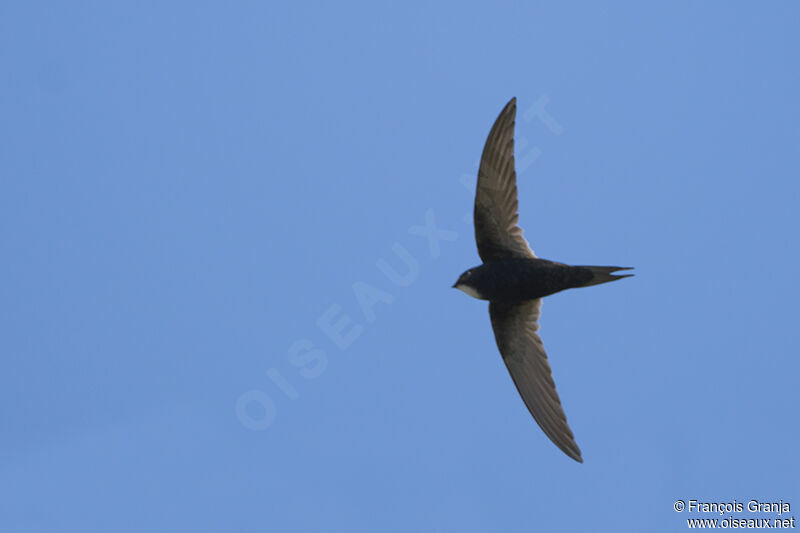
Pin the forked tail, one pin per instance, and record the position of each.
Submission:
(604, 275)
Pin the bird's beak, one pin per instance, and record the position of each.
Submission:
(455, 285)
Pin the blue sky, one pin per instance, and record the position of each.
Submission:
(190, 188)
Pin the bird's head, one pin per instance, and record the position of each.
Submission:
(467, 283)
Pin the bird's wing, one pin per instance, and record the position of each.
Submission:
(496, 231)
(515, 330)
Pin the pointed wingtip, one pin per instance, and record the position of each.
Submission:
(507, 116)
(574, 454)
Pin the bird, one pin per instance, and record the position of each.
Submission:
(514, 281)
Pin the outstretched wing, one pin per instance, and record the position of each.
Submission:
(496, 231)
(515, 330)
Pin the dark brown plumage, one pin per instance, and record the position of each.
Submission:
(514, 281)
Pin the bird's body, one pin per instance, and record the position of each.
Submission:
(522, 279)
(514, 281)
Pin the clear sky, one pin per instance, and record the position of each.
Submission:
(221, 309)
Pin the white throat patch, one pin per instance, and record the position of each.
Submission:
(470, 291)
